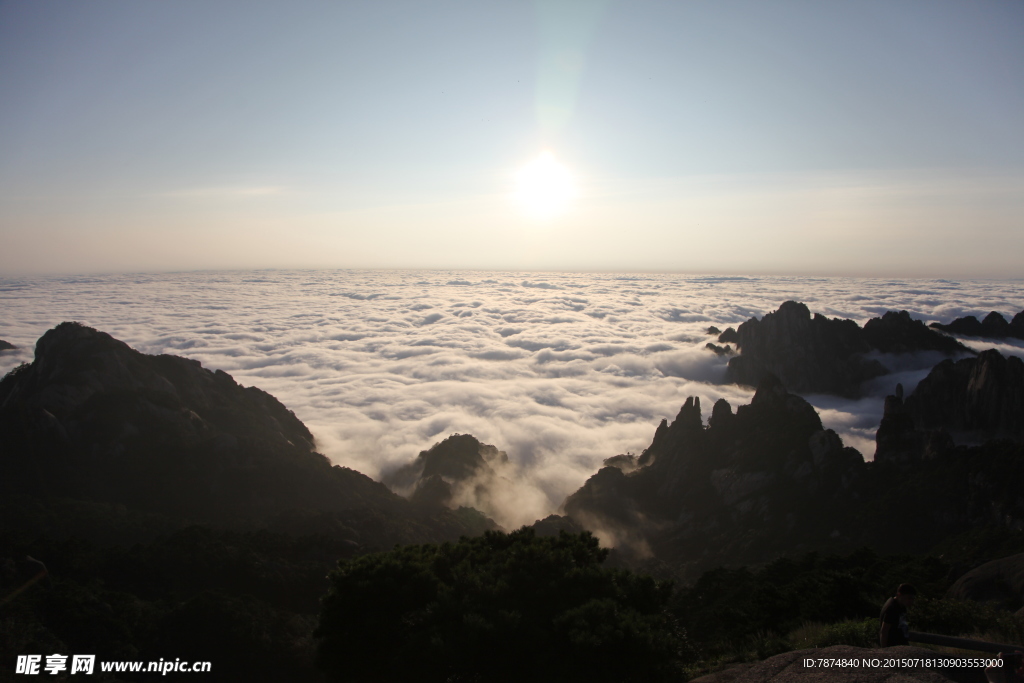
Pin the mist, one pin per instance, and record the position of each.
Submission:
(559, 370)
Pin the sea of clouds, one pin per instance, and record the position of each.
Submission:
(560, 370)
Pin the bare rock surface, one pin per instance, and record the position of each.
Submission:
(1000, 581)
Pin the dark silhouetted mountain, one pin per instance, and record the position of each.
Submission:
(899, 333)
(730, 336)
(91, 419)
(767, 479)
(977, 398)
(825, 355)
(553, 524)
(899, 441)
(994, 326)
(713, 330)
(810, 355)
(6, 346)
(719, 350)
(1017, 325)
(459, 468)
(457, 459)
(760, 478)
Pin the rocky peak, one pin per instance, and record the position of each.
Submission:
(899, 441)
(753, 465)
(455, 460)
(79, 372)
(809, 354)
(973, 398)
(1017, 325)
(721, 415)
(899, 333)
(689, 417)
(817, 354)
(993, 326)
(455, 472)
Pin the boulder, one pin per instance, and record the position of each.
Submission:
(999, 581)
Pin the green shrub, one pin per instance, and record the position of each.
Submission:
(499, 607)
(858, 633)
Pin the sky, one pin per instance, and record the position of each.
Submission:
(871, 138)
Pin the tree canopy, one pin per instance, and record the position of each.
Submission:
(498, 607)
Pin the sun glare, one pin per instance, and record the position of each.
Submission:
(544, 187)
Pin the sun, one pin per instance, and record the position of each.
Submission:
(544, 187)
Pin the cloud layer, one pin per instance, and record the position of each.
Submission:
(560, 370)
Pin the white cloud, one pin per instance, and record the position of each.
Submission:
(560, 370)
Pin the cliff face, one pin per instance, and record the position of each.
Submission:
(438, 476)
(825, 355)
(92, 419)
(979, 398)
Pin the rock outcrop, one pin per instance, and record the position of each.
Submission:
(999, 581)
(898, 439)
(438, 474)
(974, 399)
(825, 355)
(897, 332)
(809, 354)
(789, 668)
(752, 478)
(6, 346)
(92, 419)
(968, 401)
(993, 326)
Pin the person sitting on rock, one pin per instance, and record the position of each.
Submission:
(895, 628)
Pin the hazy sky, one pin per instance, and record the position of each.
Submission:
(745, 137)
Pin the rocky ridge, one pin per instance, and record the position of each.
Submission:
(993, 326)
(441, 474)
(825, 355)
(761, 476)
(767, 479)
(789, 667)
(91, 419)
